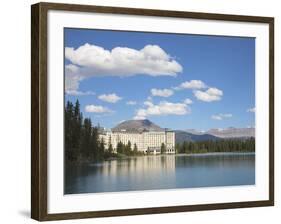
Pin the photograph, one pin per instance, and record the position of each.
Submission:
(139, 111)
(152, 111)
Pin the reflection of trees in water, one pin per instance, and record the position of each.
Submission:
(154, 172)
(156, 164)
(145, 164)
(215, 160)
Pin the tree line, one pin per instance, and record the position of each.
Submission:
(81, 137)
(222, 145)
(128, 149)
(81, 140)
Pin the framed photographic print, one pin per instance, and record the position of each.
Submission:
(139, 111)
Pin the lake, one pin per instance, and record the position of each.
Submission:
(162, 172)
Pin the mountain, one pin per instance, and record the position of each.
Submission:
(136, 126)
(194, 131)
(232, 132)
(182, 136)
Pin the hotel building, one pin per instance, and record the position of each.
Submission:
(146, 141)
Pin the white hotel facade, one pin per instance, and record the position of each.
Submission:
(146, 141)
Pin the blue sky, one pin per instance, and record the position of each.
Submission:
(177, 81)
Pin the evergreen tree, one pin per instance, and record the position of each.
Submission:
(77, 126)
(101, 150)
(128, 148)
(68, 131)
(178, 148)
(163, 148)
(110, 149)
(86, 140)
(94, 144)
(120, 147)
(135, 150)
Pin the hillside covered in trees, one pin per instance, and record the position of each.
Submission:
(81, 140)
(221, 145)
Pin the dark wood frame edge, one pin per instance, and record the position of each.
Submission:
(39, 110)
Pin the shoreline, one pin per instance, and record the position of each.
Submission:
(218, 153)
(151, 155)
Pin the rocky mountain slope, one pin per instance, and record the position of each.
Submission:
(137, 126)
(182, 136)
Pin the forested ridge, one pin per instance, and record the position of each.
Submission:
(221, 145)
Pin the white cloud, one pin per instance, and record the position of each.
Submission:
(149, 98)
(91, 60)
(252, 110)
(221, 116)
(97, 109)
(163, 108)
(192, 84)
(131, 102)
(141, 115)
(216, 117)
(162, 92)
(148, 103)
(110, 98)
(79, 93)
(201, 91)
(72, 78)
(187, 101)
(72, 68)
(119, 122)
(122, 61)
(250, 126)
(212, 94)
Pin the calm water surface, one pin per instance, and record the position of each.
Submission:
(162, 172)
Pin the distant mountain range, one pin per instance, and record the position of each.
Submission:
(230, 132)
(185, 135)
(182, 136)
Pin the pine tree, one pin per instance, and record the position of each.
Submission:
(135, 150)
(94, 146)
(86, 138)
(110, 148)
(70, 152)
(77, 126)
(163, 148)
(101, 150)
(129, 148)
(119, 147)
(177, 148)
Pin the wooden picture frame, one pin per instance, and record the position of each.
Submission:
(39, 108)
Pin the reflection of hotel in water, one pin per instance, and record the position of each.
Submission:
(144, 165)
(146, 141)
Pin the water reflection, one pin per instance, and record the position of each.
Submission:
(161, 172)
